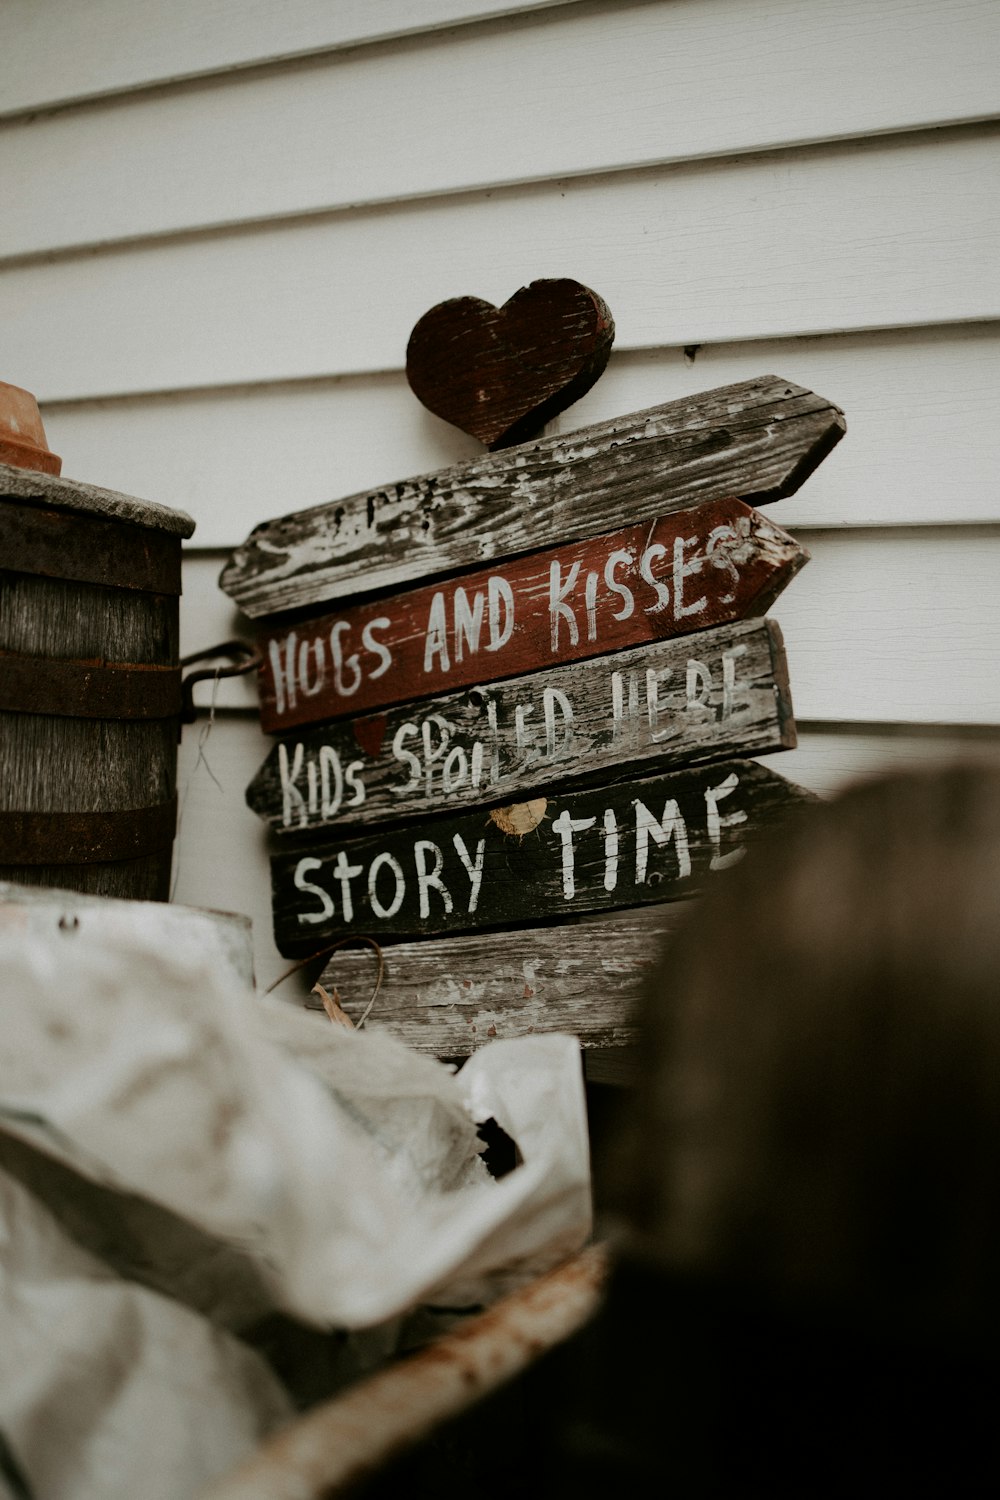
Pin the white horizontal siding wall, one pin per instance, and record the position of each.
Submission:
(221, 221)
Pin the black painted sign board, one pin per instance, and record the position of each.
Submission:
(621, 845)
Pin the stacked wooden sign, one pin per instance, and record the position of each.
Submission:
(515, 704)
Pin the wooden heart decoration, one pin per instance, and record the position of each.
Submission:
(501, 373)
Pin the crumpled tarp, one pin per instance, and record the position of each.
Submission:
(181, 1157)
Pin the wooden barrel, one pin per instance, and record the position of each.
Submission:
(90, 686)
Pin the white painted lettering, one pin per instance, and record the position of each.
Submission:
(684, 569)
(330, 770)
(473, 868)
(716, 822)
(343, 686)
(433, 752)
(491, 716)
(430, 879)
(345, 873)
(654, 678)
(378, 648)
(670, 826)
(302, 869)
(455, 770)
(402, 755)
(352, 778)
(610, 849)
(566, 826)
(624, 717)
(619, 559)
(468, 622)
(619, 726)
(311, 689)
(697, 685)
(552, 699)
(590, 603)
(436, 639)
(558, 608)
(477, 764)
(291, 798)
(284, 675)
(652, 554)
(379, 909)
(729, 660)
(500, 601)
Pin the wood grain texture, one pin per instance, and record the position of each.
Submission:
(646, 841)
(923, 445)
(637, 84)
(688, 571)
(451, 996)
(58, 765)
(501, 373)
(718, 693)
(824, 239)
(759, 440)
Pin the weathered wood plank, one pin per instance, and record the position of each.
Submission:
(450, 996)
(716, 693)
(645, 841)
(759, 439)
(680, 573)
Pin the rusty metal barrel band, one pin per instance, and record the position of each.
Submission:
(88, 549)
(88, 690)
(86, 838)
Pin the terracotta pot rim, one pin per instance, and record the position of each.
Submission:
(22, 436)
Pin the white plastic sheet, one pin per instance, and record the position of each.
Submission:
(331, 1175)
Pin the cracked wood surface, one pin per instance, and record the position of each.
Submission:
(758, 439)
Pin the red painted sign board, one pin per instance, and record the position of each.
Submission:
(684, 572)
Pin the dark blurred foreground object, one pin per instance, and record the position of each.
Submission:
(501, 373)
(805, 1181)
(800, 1199)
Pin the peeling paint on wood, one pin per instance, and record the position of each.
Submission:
(450, 996)
(758, 439)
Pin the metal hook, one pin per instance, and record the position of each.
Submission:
(246, 657)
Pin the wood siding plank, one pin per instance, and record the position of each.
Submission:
(637, 85)
(61, 50)
(894, 232)
(924, 445)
